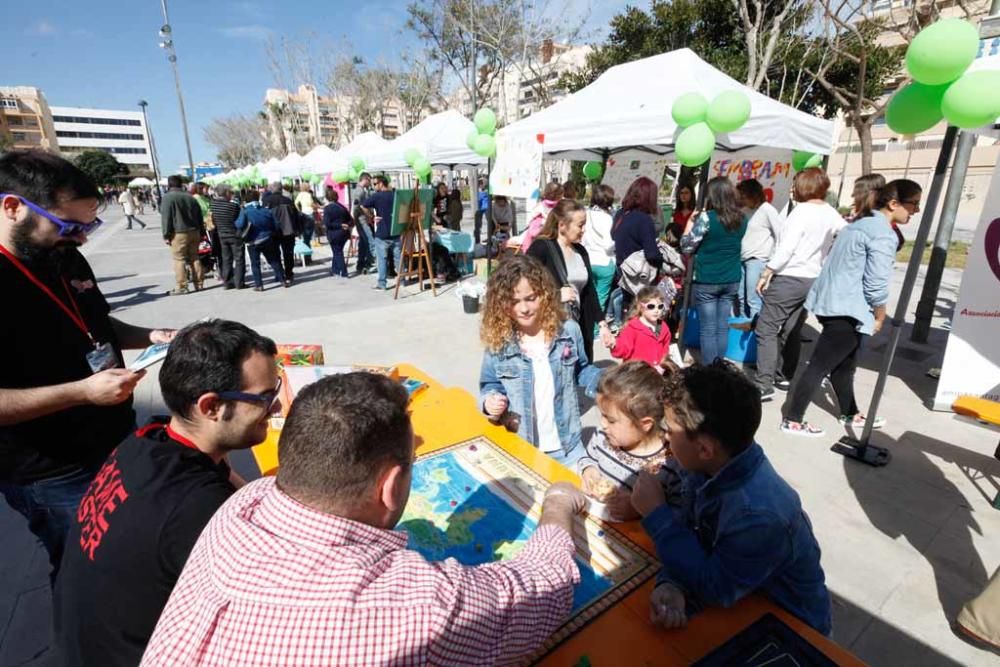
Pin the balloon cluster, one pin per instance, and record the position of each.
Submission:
(593, 171)
(349, 173)
(728, 112)
(481, 140)
(806, 160)
(421, 165)
(937, 59)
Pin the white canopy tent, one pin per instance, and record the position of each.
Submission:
(366, 143)
(439, 138)
(140, 182)
(290, 167)
(320, 160)
(629, 106)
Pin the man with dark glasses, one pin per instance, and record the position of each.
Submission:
(141, 517)
(65, 396)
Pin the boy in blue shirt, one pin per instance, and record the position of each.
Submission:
(738, 526)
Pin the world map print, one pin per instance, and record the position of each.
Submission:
(478, 504)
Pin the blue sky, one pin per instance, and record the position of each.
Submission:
(105, 54)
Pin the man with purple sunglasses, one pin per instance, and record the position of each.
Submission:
(65, 396)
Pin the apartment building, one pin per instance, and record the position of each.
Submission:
(25, 119)
(120, 133)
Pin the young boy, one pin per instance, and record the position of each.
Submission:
(740, 527)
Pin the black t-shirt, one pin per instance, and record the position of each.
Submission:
(382, 203)
(135, 529)
(44, 347)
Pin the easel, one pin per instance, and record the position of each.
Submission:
(414, 249)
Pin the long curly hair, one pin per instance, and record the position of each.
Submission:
(498, 328)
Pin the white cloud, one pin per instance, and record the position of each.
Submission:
(258, 32)
(43, 28)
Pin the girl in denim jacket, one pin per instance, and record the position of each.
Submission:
(534, 360)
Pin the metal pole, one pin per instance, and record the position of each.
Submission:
(689, 274)
(152, 145)
(168, 44)
(942, 239)
(861, 450)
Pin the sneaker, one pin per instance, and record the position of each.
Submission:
(258, 289)
(859, 420)
(782, 385)
(803, 429)
(178, 292)
(765, 394)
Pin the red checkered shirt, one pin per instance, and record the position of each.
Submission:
(273, 582)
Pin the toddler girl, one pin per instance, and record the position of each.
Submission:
(645, 337)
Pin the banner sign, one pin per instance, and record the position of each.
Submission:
(517, 171)
(772, 167)
(972, 358)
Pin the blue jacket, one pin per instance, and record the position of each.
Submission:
(509, 372)
(741, 531)
(261, 220)
(483, 200)
(857, 272)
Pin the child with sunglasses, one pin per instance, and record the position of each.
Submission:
(645, 337)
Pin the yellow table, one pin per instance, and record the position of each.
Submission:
(622, 635)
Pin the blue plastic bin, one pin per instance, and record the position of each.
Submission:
(742, 346)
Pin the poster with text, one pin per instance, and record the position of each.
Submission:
(517, 170)
(972, 358)
(772, 167)
(624, 168)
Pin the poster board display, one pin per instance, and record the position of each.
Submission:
(772, 167)
(403, 202)
(517, 169)
(622, 169)
(972, 357)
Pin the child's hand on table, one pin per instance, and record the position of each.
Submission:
(647, 494)
(666, 607)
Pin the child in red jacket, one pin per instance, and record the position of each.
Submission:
(645, 336)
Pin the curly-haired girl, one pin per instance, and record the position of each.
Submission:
(533, 361)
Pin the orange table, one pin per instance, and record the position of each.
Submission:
(622, 635)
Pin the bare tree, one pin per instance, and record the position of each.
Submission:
(291, 64)
(238, 139)
(765, 25)
(419, 90)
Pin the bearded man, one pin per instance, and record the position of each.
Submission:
(65, 396)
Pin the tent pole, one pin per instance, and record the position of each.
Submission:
(689, 274)
(489, 216)
(861, 450)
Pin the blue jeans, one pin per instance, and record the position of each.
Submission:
(382, 247)
(269, 249)
(715, 307)
(750, 301)
(615, 307)
(366, 246)
(308, 230)
(50, 507)
(337, 241)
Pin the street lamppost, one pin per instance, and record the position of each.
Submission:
(168, 45)
(152, 144)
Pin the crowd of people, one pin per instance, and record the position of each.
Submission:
(161, 554)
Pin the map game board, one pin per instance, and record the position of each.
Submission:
(476, 503)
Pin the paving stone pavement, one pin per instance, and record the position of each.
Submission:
(903, 546)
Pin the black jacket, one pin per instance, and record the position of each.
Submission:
(547, 251)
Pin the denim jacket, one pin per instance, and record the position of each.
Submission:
(857, 272)
(509, 372)
(741, 531)
(261, 220)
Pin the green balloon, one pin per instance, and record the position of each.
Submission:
(805, 160)
(915, 108)
(357, 164)
(341, 175)
(307, 175)
(486, 145)
(354, 175)
(593, 170)
(421, 166)
(941, 52)
(729, 111)
(486, 121)
(470, 140)
(973, 100)
(689, 109)
(411, 155)
(315, 180)
(695, 145)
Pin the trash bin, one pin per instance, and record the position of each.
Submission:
(470, 304)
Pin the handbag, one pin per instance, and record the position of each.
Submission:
(572, 307)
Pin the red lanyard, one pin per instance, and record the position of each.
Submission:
(74, 315)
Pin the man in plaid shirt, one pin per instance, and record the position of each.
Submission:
(305, 569)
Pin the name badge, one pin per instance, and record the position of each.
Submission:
(102, 357)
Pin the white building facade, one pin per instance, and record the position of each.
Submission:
(123, 134)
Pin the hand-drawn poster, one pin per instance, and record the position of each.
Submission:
(517, 170)
(623, 169)
(772, 167)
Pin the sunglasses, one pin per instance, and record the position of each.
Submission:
(655, 306)
(66, 227)
(266, 398)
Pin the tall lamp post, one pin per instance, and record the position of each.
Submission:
(152, 145)
(166, 34)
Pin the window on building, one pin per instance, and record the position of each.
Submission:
(68, 134)
(15, 121)
(97, 121)
(8, 103)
